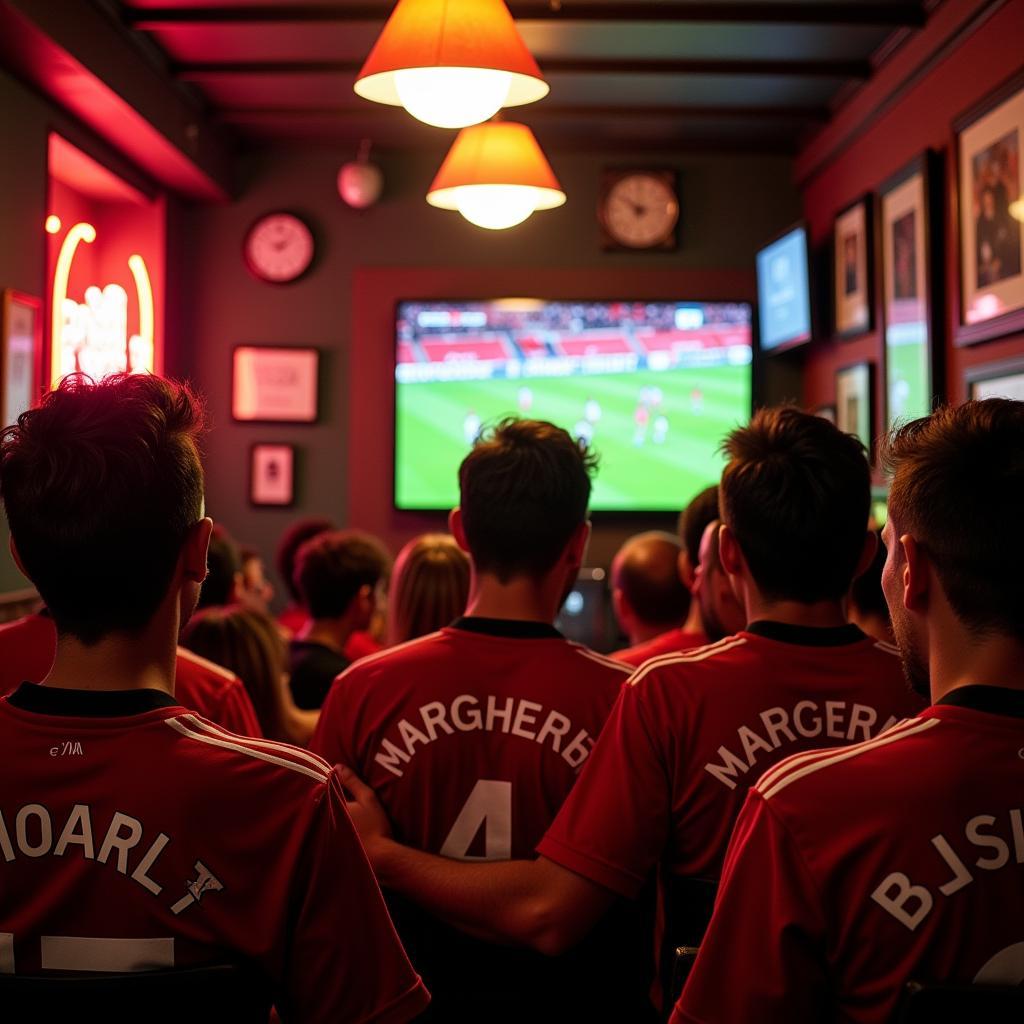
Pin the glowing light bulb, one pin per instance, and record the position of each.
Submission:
(1017, 209)
(53, 224)
(452, 97)
(496, 206)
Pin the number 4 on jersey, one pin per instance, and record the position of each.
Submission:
(490, 806)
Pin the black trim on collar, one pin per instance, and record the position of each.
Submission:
(52, 700)
(997, 700)
(807, 636)
(510, 629)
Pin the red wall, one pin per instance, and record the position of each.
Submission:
(976, 55)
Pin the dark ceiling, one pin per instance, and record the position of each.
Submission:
(758, 76)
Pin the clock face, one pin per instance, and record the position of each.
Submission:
(279, 248)
(640, 210)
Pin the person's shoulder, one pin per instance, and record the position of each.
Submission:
(692, 664)
(398, 657)
(602, 664)
(195, 670)
(35, 626)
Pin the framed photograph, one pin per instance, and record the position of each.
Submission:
(854, 412)
(274, 385)
(989, 145)
(997, 380)
(908, 249)
(852, 270)
(272, 474)
(21, 353)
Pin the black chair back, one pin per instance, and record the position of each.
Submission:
(957, 1004)
(193, 995)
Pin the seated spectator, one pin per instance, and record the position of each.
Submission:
(721, 613)
(223, 583)
(248, 642)
(866, 607)
(900, 859)
(296, 615)
(648, 596)
(429, 587)
(340, 575)
(692, 524)
(255, 590)
(148, 837)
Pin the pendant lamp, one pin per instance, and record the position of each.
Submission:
(496, 175)
(451, 63)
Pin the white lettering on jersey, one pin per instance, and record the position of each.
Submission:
(204, 882)
(489, 805)
(896, 891)
(779, 725)
(466, 714)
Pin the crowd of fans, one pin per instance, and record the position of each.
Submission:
(804, 760)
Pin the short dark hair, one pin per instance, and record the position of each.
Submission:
(694, 520)
(651, 583)
(866, 593)
(288, 547)
(524, 491)
(796, 492)
(223, 561)
(101, 484)
(958, 489)
(331, 568)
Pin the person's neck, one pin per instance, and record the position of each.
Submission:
(521, 598)
(959, 659)
(816, 615)
(332, 633)
(694, 621)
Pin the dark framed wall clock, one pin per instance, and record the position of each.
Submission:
(279, 247)
(638, 210)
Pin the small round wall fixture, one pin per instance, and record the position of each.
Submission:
(279, 247)
(496, 175)
(360, 183)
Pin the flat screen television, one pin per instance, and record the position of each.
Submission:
(784, 292)
(652, 387)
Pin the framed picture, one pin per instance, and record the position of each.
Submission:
(989, 144)
(908, 248)
(272, 474)
(274, 385)
(852, 270)
(854, 412)
(997, 380)
(21, 352)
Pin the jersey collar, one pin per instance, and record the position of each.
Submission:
(50, 700)
(510, 629)
(807, 636)
(996, 700)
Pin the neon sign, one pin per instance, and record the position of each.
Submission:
(92, 336)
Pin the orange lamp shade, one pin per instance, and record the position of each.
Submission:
(496, 175)
(445, 60)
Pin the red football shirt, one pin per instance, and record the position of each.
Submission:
(28, 645)
(136, 835)
(852, 872)
(672, 642)
(692, 732)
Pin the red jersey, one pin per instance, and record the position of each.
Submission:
(851, 873)
(136, 835)
(672, 642)
(28, 646)
(358, 645)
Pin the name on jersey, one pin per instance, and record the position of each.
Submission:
(911, 902)
(35, 834)
(467, 713)
(807, 720)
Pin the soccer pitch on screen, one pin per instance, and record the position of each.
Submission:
(657, 433)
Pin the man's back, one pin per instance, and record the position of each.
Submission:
(138, 835)
(894, 860)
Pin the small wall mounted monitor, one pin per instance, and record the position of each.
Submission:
(652, 387)
(784, 292)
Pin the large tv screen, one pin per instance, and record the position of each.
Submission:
(784, 292)
(652, 387)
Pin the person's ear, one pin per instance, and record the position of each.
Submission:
(687, 570)
(16, 556)
(867, 553)
(457, 529)
(916, 575)
(620, 608)
(194, 550)
(729, 553)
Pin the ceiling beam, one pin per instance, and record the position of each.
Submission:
(196, 71)
(895, 13)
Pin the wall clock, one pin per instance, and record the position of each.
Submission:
(279, 247)
(638, 209)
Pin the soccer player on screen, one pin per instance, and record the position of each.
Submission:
(692, 732)
(851, 873)
(136, 835)
(474, 735)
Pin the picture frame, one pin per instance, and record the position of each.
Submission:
(853, 267)
(272, 475)
(854, 402)
(274, 384)
(990, 215)
(21, 353)
(1004, 379)
(910, 250)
